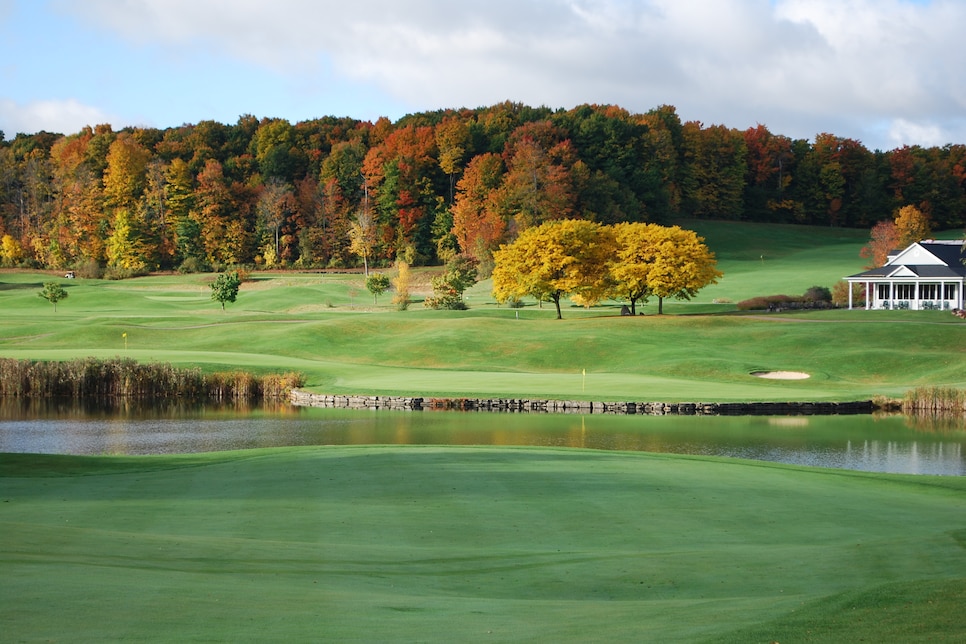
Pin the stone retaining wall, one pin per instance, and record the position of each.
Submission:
(516, 405)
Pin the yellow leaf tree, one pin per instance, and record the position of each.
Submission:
(555, 259)
(401, 283)
(682, 265)
(11, 251)
(634, 260)
(125, 246)
(362, 237)
(126, 173)
(912, 225)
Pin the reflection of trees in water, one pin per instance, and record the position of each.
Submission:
(936, 422)
(12, 408)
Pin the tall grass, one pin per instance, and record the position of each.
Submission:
(934, 400)
(126, 378)
(935, 409)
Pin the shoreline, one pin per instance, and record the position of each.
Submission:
(545, 406)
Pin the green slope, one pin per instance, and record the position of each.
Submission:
(474, 544)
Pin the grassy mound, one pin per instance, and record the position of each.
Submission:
(473, 544)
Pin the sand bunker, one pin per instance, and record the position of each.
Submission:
(781, 375)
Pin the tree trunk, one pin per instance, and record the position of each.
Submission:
(660, 306)
(556, 301)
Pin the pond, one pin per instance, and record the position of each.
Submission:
(896, 444)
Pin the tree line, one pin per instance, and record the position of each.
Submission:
(335, 192)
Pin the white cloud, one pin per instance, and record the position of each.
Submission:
(926, 134)
(799, 66)
(62, 116)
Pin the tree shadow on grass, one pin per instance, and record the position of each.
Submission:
(4, 286)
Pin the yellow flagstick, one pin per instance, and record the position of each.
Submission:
(583, 380)
(124, 335)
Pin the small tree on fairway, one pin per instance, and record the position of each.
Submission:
(362, 237)
(377, 284)
(53, 293)
(401, 282)
(461, 273)
(225, 288)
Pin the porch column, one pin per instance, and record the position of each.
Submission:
(868, 295)
(915, 302)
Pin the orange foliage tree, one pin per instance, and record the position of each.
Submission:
(477, 223)
(909, 225)
(884, 239)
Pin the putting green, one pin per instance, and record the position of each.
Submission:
(472, 544)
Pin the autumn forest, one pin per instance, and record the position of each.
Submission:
(269, 193)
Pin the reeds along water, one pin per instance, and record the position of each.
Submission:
(126, 378)
(934, 400)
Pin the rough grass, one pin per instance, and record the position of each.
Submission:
(474, 544)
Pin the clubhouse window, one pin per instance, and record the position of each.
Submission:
(905, 291)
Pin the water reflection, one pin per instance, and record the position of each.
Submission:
(885, 444)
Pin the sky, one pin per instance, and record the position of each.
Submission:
(885, 72)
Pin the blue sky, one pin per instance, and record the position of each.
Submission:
(886, 72)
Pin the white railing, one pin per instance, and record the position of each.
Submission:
(920, 305)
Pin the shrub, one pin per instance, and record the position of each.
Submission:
(765, 302)
(840, 293)
(194, 265)
(446, 300)
(817, 294)
(88, 269)
(817, 297)
(244, 272)
(118, 273)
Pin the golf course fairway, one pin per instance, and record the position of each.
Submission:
(473, 544)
